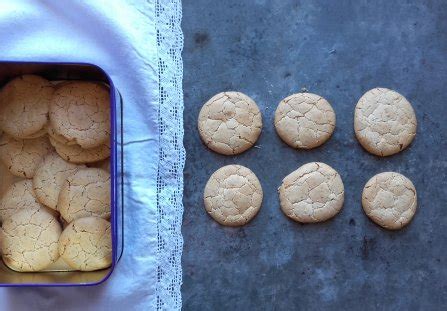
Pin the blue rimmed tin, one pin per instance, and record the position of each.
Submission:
(88, 72)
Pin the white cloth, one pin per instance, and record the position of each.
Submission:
(121, 37)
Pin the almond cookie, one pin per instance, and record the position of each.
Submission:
(85, 193)
(18, 196)
(86, 244)
(233, 195)
(384, 122)
(59, 138)
(304, 120)
(50, 176)
(29, 240)
(38, 134)
(76, 154)
(24, 105)
(22, 157)
(105, 165)
(230, 123)
(389, 199)
(312, 193)
(80, 113)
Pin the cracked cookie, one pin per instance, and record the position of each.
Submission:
(230, 123)
(18, 196)
(86, 244)
(312, 193)
(80, 113)
(50, 176)
(24, 103)
(105, 165)
(76, 154)
(85, 193)
(233, 195)
(304, 120)
(384, 122)
(29, 240)
(390, 200)
(22, 157)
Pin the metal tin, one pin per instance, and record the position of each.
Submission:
(87, 72)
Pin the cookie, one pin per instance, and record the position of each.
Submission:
(304, 120)
(50, 176)
(390, 200)
(59, 138)
(38, 134)
(86, 244)
(230, 123)
(76, 154)
(85, 193)
(233, 195)
(312, 193)
(18, 196)
(384, 122)
(80, 113)
(29, 240)
(24, 104)
(22, 157)
(105, 165)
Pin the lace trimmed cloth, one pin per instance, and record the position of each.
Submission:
(172, 154)
(139, 44)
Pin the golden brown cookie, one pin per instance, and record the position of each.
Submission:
(233, 195)
(86, 244)
(50, 176)
(80, 113)
(85, 193)
(390, 200)
(29, 240)
(38, 134)
(59, 138)
(22, 157)
(230, 123)
(76, 154)
(312, 193)
(384, 122)
(304, 120)
(24, 105)
(18, 196)
(104, 164)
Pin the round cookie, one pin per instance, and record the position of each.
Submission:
(50, 176)
(312, 193)
(85, 193)
(76, 154)
(384, 122)
(390, 200)
(80, 113)
(86, 244)
(24, 105)
(105, 165)
(22, 157)
(29, 240)
(18, 196)
(59, 138)
(233, 195)
(304, 120)
(230, 123)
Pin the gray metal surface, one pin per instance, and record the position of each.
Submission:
(338, 49)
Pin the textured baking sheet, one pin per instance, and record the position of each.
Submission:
(338, 49)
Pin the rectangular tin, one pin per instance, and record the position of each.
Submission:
(76, 71)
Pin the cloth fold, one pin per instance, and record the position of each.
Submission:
(120, 36)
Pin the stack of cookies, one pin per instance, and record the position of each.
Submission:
(55, 141)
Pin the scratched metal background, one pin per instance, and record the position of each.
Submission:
(338, 49)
